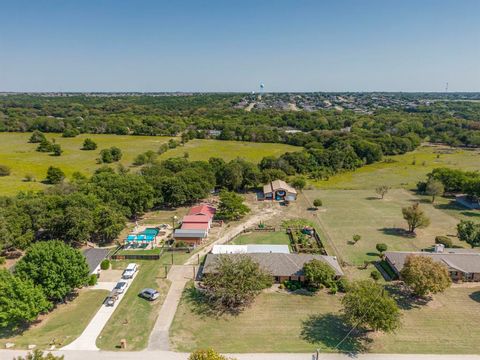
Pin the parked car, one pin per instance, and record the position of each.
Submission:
(121, 286)
(111, 298)
(149, 294)
(130, 271)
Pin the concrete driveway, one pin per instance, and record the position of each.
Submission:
(88, 338)
(179, 275)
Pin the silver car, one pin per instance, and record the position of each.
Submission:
(121, 286)
(149, 294)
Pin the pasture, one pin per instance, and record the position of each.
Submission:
(281, 322)
(228, 150)
(404, 171)
(348, 212)
(21, 157)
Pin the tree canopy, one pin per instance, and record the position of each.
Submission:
(415, 217)
(231, 206)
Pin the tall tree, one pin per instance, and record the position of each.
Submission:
(382, 190)
(20, 300)
(234, 283)
(434, 188)
(231, 206)
(469, 232)
(424, 275)
(318, 273)
(369, 306)
(54, 266)
(415, 217)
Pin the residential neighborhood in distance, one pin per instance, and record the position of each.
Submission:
(288, 180)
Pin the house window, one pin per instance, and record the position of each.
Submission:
(453, 273)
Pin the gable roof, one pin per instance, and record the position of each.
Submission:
(467, 262)
(195, 226)
(94, 257)
(276, 185)
(196, 219)
(190, 233)
(202, 209)
(278, 264)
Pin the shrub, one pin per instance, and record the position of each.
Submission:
(356, 238)
(381, 247)
(29, 177)
(317, 202)
(333, 289)
(36, 137)
(2, 260)
(44, 146)
(444, 240)
(57, 150)
(110, 155)
(4, 170)
(70, 133)
(375, 275)
(292, 285)
(343, 285)
(105, 264)
(92, 280)
(180, 244)
(89, 144)
(54, 175)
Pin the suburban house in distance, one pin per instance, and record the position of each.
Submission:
(282, 266)
(195, 225)
(94, 257)
(279, 190)
(462, 264)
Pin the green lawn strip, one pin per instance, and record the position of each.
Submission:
(260, 238)
(349, 212)
(155, 251)
(135, 317)
(64, 324)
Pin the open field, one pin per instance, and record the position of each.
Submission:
(276, 238)
(348, 212)
(402, 172)
(280, 322)
(21, 157)
(228, 150)
(135, 317)
(62, 325)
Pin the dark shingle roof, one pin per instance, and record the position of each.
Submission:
(94, 257)
(278, 264)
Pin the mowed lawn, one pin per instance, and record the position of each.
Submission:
(198, 149)
(275, 238)
(63, 325)
(135, 317)
(279, 322)
(405, 170)
(348, 212)
(21, 157)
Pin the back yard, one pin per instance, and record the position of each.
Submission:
(274, 237)
(348, 212)
(280, 322)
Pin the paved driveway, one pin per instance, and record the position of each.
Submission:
(88, 338)
(179, 275)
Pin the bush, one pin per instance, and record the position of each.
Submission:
(4, 170)
(44, 146)
(444, 240)
(105, 264)
(356, 238)
(292, 285)
(57, 150)
(381, 247)
(70, 133)
(36, 137)
(92, 280)
(317, 202)
(343, 285)
(180, 244)
(89, 144)
(110, 155)
(375, 275)
(54, 175)
(333, 289)
(2, 260)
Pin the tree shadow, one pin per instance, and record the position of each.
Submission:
(372, 198)
(397, 232)
(328, 330)
(404, 297)
(475, 296)
(372, 254)
(421, 201)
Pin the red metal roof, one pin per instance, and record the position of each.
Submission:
(196, 219)
(202, 209)
(195, 226)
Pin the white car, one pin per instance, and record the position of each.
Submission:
(130, 271)
(121, 286)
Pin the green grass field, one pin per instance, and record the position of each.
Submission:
(62, 325)
(135, 317)
(348, 212)
(275, 238)
(279, 322)
(21, 157)
(402, 172)
(228, 150)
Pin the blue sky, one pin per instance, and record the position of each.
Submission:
(210, 45)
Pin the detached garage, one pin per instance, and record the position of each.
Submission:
(279, 190)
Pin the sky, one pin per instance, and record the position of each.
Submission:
(212, 45)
